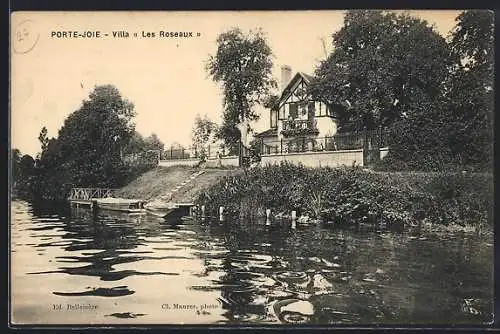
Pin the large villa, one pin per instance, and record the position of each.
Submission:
(301, 130)
(297, 123)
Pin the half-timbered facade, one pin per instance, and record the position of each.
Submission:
(296, 120)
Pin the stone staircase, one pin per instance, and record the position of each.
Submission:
(169, 196)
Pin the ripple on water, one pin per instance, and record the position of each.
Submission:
(118, 291)
(167, 248)
(292, 311)
(186, 232)
(252, 271)
(211, 252)
(293, 277)
(125, 315)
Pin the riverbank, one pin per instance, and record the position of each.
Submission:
(160, 181)
(350, 196)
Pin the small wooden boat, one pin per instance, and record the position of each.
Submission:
(164, 210)
(162, 213)
(120, 204)
(159, 208)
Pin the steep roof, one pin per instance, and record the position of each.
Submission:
(306, 77)
(287, 91)
(284, 94)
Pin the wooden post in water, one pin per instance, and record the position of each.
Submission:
(221, 213)
(294, 221)
(268, 215)
(94, 208)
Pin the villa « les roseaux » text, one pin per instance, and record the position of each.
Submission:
(75, 34)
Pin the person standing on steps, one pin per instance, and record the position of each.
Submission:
(219, 159)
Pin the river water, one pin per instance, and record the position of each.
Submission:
(70, 267)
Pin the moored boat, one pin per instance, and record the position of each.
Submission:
(162, 213)
(163, 209)
(120, 204)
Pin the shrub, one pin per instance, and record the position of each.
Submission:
(352, 195)
(346, 194)
(460, 198)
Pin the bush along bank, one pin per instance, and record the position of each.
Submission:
(353, 196)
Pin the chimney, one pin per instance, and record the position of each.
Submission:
(286, 76)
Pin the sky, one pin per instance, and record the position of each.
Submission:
(164, 77)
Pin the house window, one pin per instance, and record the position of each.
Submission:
(282, 112)
(324, 110)
(274, 121)
(294, 110)
(310, 110)
(329, 111)
(303, 109)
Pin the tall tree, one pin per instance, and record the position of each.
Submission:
(243, 65)
(87, 151)
(472, 41)
(43, 138)
(384, 67)
(470, 98)
(457, 128)
(204, 132)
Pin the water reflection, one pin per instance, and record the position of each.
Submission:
(245, 273)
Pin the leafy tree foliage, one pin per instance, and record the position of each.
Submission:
(136, 144)
(229, 132)
(435, 96)
(243, 65)
(255, 149)
(270, 101)
(204, 132)
(457, 129)
(22, 173)
(384, 67)
(470, 97)
(472, 41)
(153, 142)
(88, 149)
(42, 137)
(139, 143)
(15, 157)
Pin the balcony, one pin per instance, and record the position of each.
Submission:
(298, 127)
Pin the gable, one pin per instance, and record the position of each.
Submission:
(295, 90)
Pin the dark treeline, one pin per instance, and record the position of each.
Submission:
(23, 173)
(88, 151)
(434, 94)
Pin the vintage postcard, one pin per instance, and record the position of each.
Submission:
(252, 168)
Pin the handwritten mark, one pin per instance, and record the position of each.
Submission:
(25, 37)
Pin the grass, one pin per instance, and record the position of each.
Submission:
(162, 180)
